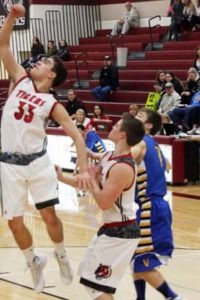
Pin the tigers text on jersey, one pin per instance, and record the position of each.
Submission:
(124, 208)
(24, 118)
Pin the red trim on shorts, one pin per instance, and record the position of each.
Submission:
(114, 224)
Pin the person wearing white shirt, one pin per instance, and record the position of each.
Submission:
(129, 19)
(169, 100)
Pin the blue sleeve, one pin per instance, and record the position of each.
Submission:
(90, 139)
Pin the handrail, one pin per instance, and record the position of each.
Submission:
(4, 92)
(77, 64)
(151, 27)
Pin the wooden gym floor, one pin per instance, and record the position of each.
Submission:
(80, 219)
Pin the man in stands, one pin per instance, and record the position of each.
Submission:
(169, 100)
(25, 165)
(73, 103)
(108, 80)
(129, 19)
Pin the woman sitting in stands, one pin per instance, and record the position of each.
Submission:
(192, 86)
(195, 20)
(189, 10)
(37, 47)
(37, 50)
(100, 121)
(178, 86)
(197, 60)
(63, 51)
(159, 86)
(82, 119)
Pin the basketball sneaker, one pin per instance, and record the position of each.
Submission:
(36, 268)
(66, 274)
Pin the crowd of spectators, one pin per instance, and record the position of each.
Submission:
(174, 95)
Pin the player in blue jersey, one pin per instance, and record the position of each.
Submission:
(92, 140)
(154, 215)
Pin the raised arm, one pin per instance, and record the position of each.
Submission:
(138, 152)
(14, 70)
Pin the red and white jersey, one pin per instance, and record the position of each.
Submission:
(124, 208)
(24, 118)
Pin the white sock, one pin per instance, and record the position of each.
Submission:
(29, 254)
(60, 249)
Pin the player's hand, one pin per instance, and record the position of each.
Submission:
(83, 180)
(94, 172)
(18, 10)
(90, 153)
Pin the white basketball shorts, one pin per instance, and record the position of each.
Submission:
(38, 179)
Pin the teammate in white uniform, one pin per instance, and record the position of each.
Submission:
(113, 185)
(25, 165)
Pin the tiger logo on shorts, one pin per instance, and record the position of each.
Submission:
(103, 272)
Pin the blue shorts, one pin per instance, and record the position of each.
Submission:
(156, 246)
(147, 261)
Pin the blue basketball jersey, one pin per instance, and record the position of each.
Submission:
(94, 142)
(155, 165)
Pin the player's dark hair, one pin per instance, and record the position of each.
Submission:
(134, 129)
(60, 70)
(153, 118)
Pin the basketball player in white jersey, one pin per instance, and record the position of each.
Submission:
(25, 165)
(110, 251)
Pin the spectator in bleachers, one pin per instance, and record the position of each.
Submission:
(197, 60)
(51, 48)
(192, 86)
(99, 118)
(82, 119)
(159, 86)
(169, 100)
(108, 80)
(188, 117)
(189, 10)
(154, 97)
(37, 50)
(63, 51)
(129, 19)
(195, 20)
(37, 47)
(133, 109)
(178, 86)
(73, 103)
(175, 11)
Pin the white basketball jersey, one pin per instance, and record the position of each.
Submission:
(24, 118)
(124, 208)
